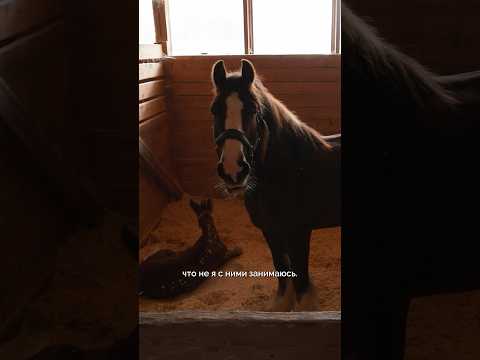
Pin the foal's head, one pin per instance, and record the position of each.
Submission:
(235, 108)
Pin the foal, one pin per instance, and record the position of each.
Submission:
(161, 274)
(288, 173)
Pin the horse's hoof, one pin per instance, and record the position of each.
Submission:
(286, 302)
(308, 301)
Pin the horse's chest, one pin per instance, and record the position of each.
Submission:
(300, 202)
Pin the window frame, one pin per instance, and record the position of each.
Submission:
(162, 27)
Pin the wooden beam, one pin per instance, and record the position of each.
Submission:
(278, 61)
(151, 201)
(158, 171)
(151, 108)
(249, 335)
(248, 26)
(151, 89)
(160, 13)
(336, 27)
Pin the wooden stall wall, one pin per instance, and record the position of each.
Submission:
(32, 220)
(102, 99)
(157, 180)
(66, 121)
(308, 84)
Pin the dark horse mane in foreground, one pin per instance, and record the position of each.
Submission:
(382, 62)
(409, 184)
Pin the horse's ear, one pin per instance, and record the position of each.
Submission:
(248, 72)
(195, 206)
(219, 74)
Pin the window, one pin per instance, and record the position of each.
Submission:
(146, 30)
(206, 27)
(222, 27)
(280, 28)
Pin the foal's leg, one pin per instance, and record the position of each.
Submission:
(285, 298)
(298, 251)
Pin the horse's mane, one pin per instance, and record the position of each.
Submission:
(283, 118)
(364, 49)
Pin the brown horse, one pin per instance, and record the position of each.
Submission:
(288, 173)
(410, 188)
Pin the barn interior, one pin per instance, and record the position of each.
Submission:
(178, 163)
(66, 281)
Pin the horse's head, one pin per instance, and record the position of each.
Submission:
(236, 124)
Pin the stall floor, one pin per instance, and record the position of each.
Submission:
(178, 229)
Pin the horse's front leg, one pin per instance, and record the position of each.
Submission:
(285, 297)
(298, 246)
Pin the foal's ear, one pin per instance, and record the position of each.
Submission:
(196, 207)
(248, 72)
(219, 74)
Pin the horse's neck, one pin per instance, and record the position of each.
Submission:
(281, 146)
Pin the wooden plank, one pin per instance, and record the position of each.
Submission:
(149, 71)
(202, 146)
(149, 52)
(248, 26)
(158, 171)
(232, 62)
(292, 101)
(197, 168)
(21, 16)
(151, 89)
(155, 133)
(238, 318)
(160, 14)
(152, 199)
(151, 108)
(248, 335)
(198, 176)
(277, 88)
(191, 72)
(203, 188)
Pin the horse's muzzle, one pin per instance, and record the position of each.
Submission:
(240, 176)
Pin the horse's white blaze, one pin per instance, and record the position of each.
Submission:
(232, 149)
